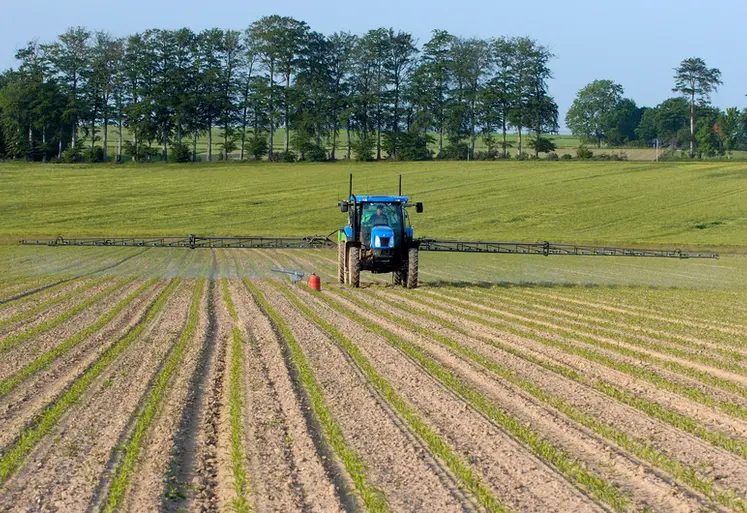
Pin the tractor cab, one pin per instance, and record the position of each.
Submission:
(379, 237)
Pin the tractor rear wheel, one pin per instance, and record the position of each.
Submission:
(341, 262)
(354, 267)
(412, 268)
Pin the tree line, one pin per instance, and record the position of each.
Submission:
(373, 96)
(600, 113)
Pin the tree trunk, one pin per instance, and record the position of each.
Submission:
(225, 141)
(194, 146)
(286, 139)
(350, 145)
(243, 134)
(59, 148)
(537, 135)
(119, 142)
(31, 144)
(164, 148)
(505, 143)
(210, 140)
(44, 143)
(134, 148)
(518, 148)
(106, 136)
(692, 125)
(334, 141)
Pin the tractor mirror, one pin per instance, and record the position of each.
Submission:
(419, 207)
(343, 206)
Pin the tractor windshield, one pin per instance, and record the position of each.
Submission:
(380, 214)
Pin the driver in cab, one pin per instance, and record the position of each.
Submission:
(379, 218)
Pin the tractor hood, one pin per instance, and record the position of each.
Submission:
(382, 237)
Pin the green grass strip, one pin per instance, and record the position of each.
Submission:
(678, 470)
(16, 452)
(69, 314)
(531, 330)
(238, 455)
(51, 302)
(152, 405)
(373, 499)
(436, 444)
(10, 383)
(544, 449)
(653, 409)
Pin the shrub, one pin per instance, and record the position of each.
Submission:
(486, 155)
(94, 154)
(363, 148)
(316, 154)
(543, 145)
(454, 151)
(286, 156)
(522, 156)
(583, 152)
(180, 152)
(258, 147)
(553, 156)
(73, 154)
(566, 156)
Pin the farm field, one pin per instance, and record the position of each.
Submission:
(150, 379)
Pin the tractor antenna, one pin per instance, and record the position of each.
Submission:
(351, 186)
(400, 185)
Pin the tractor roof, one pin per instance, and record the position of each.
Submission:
(381, 199)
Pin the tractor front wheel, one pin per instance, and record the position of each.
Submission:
(412, 268)
(341, 262)
(399, 278)
(354, 267)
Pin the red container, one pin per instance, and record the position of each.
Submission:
(314, 282)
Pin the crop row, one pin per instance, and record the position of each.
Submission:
(654, 409)
(639, 448)
(548, 335)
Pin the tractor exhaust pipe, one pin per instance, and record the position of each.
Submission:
(350, 192)
(400, 185)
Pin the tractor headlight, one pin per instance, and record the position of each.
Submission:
(377, 242)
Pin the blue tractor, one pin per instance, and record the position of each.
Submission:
(378, 238)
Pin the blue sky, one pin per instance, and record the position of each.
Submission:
(637, 44)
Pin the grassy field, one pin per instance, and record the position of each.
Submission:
(684, 204)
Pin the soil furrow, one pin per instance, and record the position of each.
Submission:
(509, 468)
(689, 379)
(729, 470)
(290, 474)
(592, 369)
(65, 469)
(398, 462)
(19, 406)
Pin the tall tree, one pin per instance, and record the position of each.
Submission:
(280, 41)
(342, 58)
(592, 115)
(70, 58)
(106, 58)
(400, 51)
(470, 67)
(542, 111)
(695, 80)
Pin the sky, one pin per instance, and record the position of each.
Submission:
(636, 44)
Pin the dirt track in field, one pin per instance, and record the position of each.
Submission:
(556, 367)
